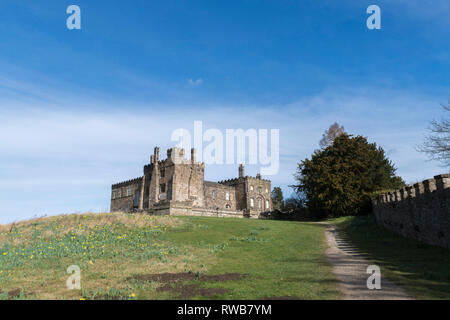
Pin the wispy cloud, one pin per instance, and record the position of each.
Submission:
(195, 83)
(64, 159)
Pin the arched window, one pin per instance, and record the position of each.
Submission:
(267, 204)
(252, 202)
(259, 204)
(251, 188)
(227, 206)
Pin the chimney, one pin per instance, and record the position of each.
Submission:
(156, 155)
(241, 170)
(193, 155)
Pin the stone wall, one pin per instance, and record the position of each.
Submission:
(186, 208)
(125, 194)
(259, 190)
(420, 211)
(252, 193)
(216, 196)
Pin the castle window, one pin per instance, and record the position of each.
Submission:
(227, 196)
(259, 189)
(163, 173)
(259, 203)
(128, 191)
(163, 187)
(267, 190)
(267, 204)
(114, 194)
(251, 188)
(252, 202)
(227, 206)
(214, 194)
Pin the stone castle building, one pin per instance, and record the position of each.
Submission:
(176, 186)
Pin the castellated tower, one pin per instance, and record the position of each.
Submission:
(176, 185)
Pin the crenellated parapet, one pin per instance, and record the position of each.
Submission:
(241, 179)
(420, 211)
(439, 183)
(126, 183)
(231, 181)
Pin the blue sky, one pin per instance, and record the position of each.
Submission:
(82, 109)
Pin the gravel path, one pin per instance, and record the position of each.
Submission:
(350, 265)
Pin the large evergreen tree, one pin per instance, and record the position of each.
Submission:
(339, 179)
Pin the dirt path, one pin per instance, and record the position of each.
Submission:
(350, 265)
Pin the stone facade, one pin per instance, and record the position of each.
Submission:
(420, 211)
(176, 186)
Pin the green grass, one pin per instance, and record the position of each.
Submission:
(280, 258)
(421, 269)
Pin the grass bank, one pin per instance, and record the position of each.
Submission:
(125, 256)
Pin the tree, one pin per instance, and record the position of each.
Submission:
(294, 203)
(339, 179)
(277, 198)
(329, 135)
(437, 144)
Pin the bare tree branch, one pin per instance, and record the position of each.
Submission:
(329, 135)
(437, 144)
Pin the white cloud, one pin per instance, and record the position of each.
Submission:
(195, 83)
(64, 159)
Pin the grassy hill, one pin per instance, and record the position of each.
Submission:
(123, 256)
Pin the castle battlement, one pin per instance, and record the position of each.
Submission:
(126, 183)
(420, 211)
(439, 183)
(169, 184)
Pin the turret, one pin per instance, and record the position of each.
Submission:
(156, 155)
(241, 171)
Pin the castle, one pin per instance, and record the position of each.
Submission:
(176, 186)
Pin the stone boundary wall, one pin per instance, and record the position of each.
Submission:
(420, 211)
(185, 208)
